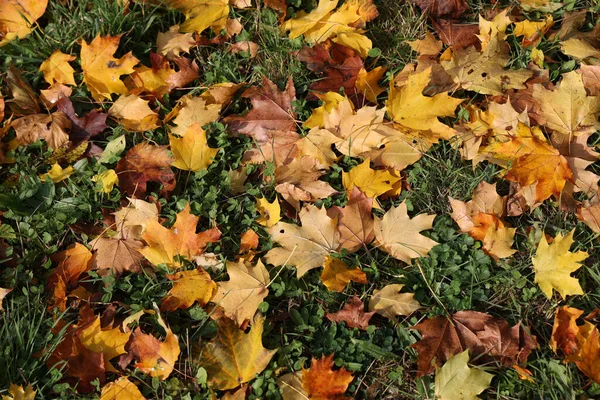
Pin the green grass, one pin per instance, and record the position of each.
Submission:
(41, 220)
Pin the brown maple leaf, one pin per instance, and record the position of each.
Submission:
(116, 255)
(93, 123)
(458, 36)
(452, 9)
(338, 65)
(272, 110)
(142, 164)
(353, 314)
(490, 338)
(355, 221)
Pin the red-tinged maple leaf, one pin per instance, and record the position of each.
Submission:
(353, 314)
(339, 65)
(322, 383)
(452, 9)
(92, 123)
(154, 357)
(71, 264)
(142, 164)
(355, 221)
(458, 36)
(272, 110)
(489, 338)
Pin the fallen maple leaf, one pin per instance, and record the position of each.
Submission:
(339, 66)
(321, 383)
(410, 108)
(202, 14)
(101, 71)
(134, 114)
(406, 243)
(121, 389)
(92, 124)
(72, 262)
(181, 240)
(486, 337)
(145, 163)
(57, 69)
(234, 357)
(240, 296)
(456, 381)
(248, 241)
(270, 213)
(353, 314)
(191, 152)
(305, 247)
(271, 110)
(579, 343)
(52, 128)
(18, 393)
(341, 25)
(154, 357)
(172, 43)
(389, 302)
(189, 287)
(355, 221)
(336, 274)
(131, 220)
(110, 342)
(373, 183)
(299, 181)
(452, 9)
(116, 255)
(17, 18)
(459, 36)
(567, 109)
(485, 72)
(553, 263)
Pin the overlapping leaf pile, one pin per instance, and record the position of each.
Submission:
(332, 187)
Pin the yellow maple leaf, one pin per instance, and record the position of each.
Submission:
(553, 263)
(336, 274)
(202, 14)
(455, 380)
(57, 69)
(341, 25)
(410, 108)
(189, 287)
(57, 173)
(270, 213)
(372, 183)
(18, 393)
(181, 240)
(191, 152)
(121, 389)
(367, 83)
(405, 243)
(389, 302)
(485, 72)
(108, 180)
(17, 18)
(240, 296)
(330, 101)
(133, 113)
(110, 342)
(306, 246)
(568, 109)
(234, 357)
(102, 71)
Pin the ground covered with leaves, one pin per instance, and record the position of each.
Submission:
(301, 199)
